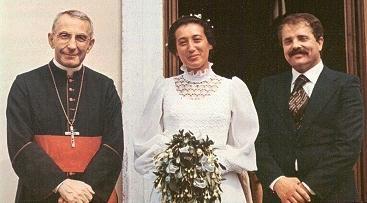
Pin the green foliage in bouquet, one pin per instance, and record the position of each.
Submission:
(188, 170)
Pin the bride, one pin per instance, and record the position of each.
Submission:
(206, 104)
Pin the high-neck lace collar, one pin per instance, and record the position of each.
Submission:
(199, 76)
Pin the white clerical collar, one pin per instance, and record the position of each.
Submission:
(69, 71)
(312, 74)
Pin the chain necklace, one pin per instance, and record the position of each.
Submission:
(72, 133)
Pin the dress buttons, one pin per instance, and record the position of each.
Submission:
(71, 80)
(71, 89)
(71, 99)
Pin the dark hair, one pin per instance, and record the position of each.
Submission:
(309, 19)
(208, 31)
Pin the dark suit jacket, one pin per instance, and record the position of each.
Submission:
(326, 146)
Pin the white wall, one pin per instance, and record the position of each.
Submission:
(142, 62)
(24, 25)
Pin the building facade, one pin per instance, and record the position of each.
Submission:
(130, 48)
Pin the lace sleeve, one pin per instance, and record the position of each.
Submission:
(150, 139)
(239, 153)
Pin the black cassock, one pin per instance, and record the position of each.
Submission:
(34, 109)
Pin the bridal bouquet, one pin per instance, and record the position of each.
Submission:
(188, 171)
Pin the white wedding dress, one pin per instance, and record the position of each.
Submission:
(206, 104)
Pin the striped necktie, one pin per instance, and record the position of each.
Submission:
(298, 100)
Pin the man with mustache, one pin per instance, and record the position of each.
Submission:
(64, 120)
(311, 122)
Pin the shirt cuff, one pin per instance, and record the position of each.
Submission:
(57, 187)
(308, 188)
(271, 186)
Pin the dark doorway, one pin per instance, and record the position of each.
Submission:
(245, 31)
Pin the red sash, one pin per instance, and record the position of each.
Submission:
(69, 159)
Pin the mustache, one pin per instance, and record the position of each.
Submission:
(297, 51)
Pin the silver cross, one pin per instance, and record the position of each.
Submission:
(72, 134)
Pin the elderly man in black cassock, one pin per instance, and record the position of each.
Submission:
(64, 122)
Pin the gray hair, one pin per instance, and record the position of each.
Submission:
(74, 14)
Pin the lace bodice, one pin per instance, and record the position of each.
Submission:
(203, 107)
(197, 90)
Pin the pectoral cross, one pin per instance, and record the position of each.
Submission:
(72, 134)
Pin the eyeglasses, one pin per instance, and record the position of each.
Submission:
(65, 37)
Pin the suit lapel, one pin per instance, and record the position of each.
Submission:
(323, 90)
(282, 93)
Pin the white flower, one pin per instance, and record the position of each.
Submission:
(200, 183)
(179, 174)
(207, 163)
(184, 149)
(199, 151)
(159, 186)
(171, 168)
(161, 155)
(198, 15)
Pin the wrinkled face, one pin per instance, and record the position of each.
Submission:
(300, 47)
(192, 46)
(71, 39)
